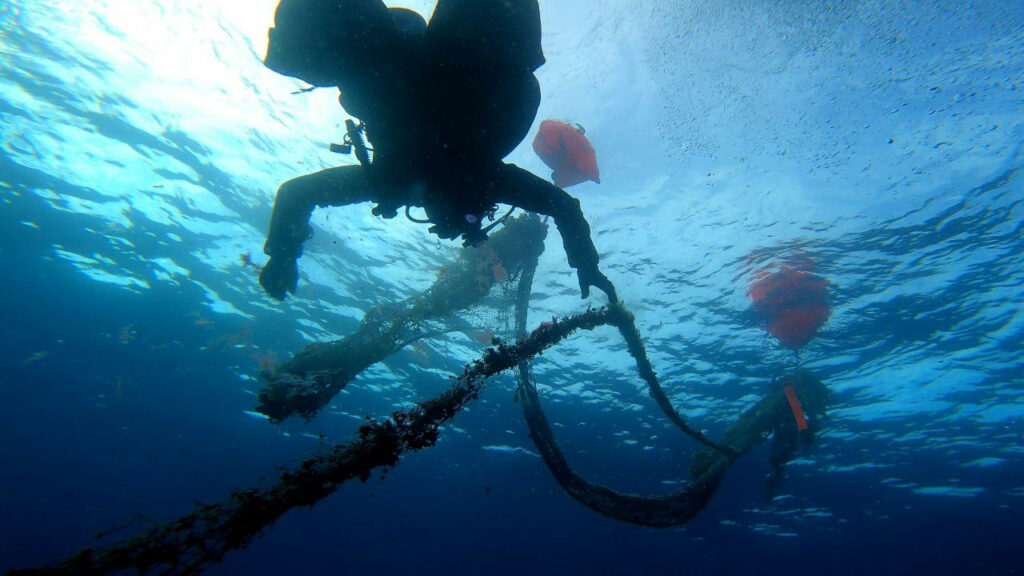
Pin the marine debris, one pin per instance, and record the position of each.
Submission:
(305, 383)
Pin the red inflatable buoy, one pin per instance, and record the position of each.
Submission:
(566, 150)
(792, 303)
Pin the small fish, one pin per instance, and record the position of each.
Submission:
(483, 336)
(245, 259)
(36, 357)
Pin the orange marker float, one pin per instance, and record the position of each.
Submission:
(794, 405)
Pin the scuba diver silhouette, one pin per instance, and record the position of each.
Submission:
(442, 105)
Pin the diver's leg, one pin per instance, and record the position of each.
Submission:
(289, 222)
(519, 187)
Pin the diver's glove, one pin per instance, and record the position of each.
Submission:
(280, 276)
(593, 277)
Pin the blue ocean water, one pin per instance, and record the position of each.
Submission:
(142, 145)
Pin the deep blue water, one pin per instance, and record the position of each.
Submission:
(883, 142)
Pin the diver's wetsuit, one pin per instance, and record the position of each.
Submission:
(443, 104)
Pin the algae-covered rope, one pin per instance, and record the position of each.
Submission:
(623, 320)
(670, 510)
(658, 511)
(187, 545)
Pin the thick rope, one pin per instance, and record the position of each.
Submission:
(188, 545)
(671, 510)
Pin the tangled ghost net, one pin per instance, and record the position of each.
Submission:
(310, 379)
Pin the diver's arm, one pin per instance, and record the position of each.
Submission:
(289, 221)
(519, 187)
